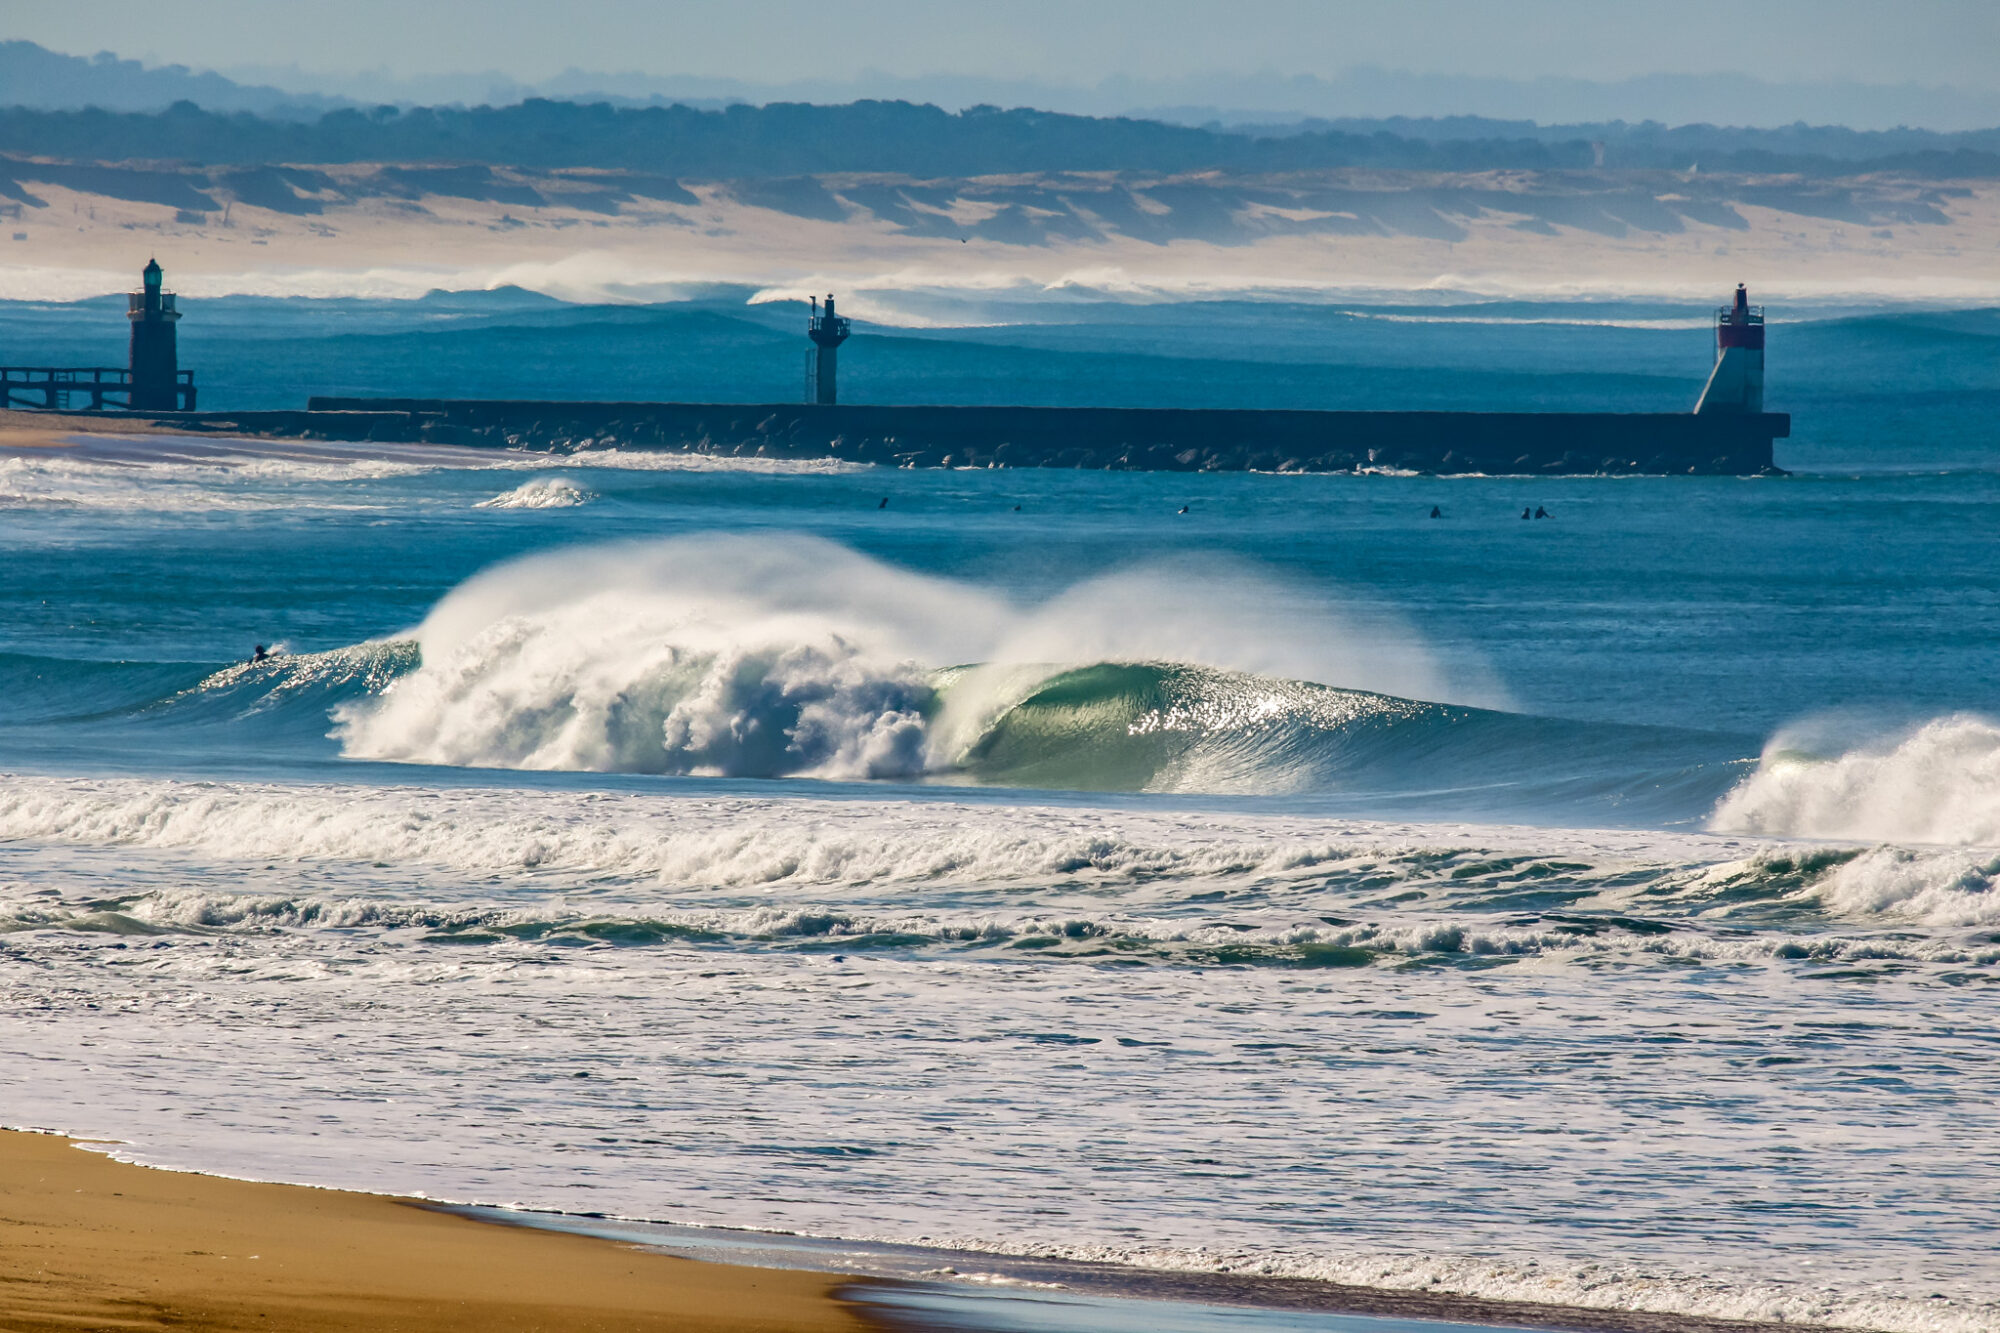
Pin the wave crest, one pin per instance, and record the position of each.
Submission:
(539, 493)
(1937, 784)
(585, 688)
(787, 656)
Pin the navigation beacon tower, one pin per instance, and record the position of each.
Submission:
(1737, 382)
(828, 332)
(155, 359)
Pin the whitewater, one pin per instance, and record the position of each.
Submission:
(1238, 874)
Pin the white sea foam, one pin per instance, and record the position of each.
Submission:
(1588, 1135)
(1800, 1298)
(1939, 783)
(1097, 1004)
(39, 481)
(791, 849)
(1934, 887)
(1926, 793)
(172, 473)
(680, 460)
(539, 493)
(169, 474)
(685, 841)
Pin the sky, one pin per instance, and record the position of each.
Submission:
(1930, 42)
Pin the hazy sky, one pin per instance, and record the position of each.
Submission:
(1929, 42)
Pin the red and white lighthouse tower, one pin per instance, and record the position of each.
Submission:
(1737, 382)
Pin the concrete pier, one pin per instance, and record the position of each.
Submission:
(1143, 439)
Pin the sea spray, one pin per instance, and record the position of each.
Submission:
(790, 655)
(539, 493)
(1936, 783)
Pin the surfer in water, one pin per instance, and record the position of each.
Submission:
(1541, 512)
(1436, 512)
(261, 655)
(1525, 513)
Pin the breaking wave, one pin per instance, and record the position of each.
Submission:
(540, 493)
(791, 657)
(1060, 882)
(1939, 783)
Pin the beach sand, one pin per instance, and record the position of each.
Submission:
(34, 430)
(89, 1243)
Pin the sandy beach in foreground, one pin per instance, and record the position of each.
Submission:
(90, 1243)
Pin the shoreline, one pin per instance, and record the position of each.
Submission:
(176, 1250)
(913, 1272)
(89, 1242)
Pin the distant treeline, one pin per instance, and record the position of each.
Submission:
(1650, 144)
(789, 139)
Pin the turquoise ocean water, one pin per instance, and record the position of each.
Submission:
(1234, 872)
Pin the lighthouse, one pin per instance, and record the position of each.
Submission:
(828, 332)
(155, 361)
(1737, 382)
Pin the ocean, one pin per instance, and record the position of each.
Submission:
(1226, 873)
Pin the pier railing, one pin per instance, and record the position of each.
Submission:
(93, 388)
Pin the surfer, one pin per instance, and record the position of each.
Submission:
(1541, 512)
(1184, 509)
(1525, 513)
(1436, 512)
(884, 504)
(260, 655)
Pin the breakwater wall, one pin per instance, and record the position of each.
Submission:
(1143, 439)
(1150, 439)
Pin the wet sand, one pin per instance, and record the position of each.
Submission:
(87, 1243)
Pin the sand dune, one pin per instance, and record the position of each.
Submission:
(583, 235)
